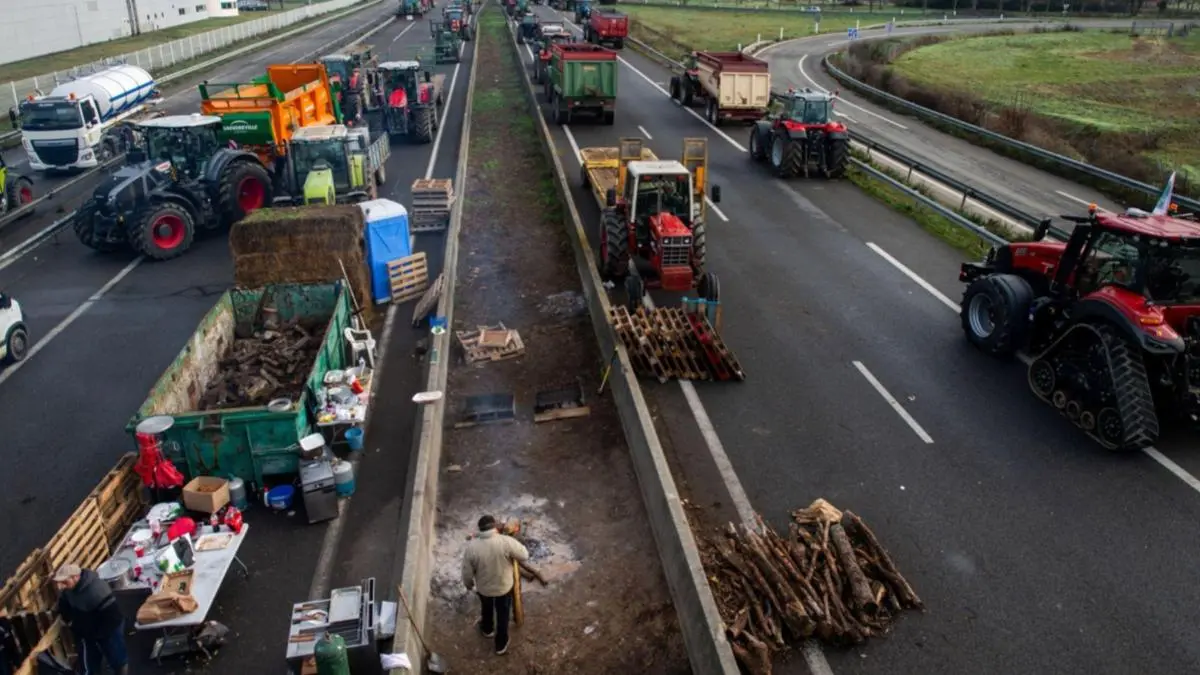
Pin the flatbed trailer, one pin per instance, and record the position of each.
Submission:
(602, 167)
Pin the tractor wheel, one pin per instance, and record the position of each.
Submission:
(781, 155)
(837, 157)
(688, 94)
(796, 157)
(675, 85)
(757, 152)
(635, 290)
(18, 192)
(468, 34)
(162, 231)
(614, 245)
(245, 186)
(423, 125)
(995, 313)
(17, 342)
(84, 224)
(108, 151)
(700, 244)
(709, 287)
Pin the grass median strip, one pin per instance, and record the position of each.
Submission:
(568, 480)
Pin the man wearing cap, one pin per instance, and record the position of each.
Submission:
(86, 604)
(488, 569)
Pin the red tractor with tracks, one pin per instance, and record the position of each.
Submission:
(652, 212)
(799, 136)
(1109, 318)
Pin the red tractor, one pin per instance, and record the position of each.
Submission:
(653, 213)
(1110, 319)
(798, 136)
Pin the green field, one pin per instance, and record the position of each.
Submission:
(50, 63)
(670, 30)
(1112, 83)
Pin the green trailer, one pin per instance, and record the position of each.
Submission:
(255, 441)
(583, 79)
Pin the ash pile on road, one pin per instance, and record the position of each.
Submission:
(829, 578)
(271, 364)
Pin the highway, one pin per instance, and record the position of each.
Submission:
(1034, 550)
(106, 326)
(183, 97)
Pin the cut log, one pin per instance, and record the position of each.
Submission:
(907, 595)
(860, 590)
(755, 657)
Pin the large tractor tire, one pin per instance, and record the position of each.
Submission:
(676, 88)
(614, 245)
(84, 224)
(245, 186)
(423, 125)
(18, 193)
(837, 156)
(757, 152)
(700, 244)
(995, 313)
(781, 156)
(162, 231)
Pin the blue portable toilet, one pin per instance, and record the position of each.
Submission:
(387, 240)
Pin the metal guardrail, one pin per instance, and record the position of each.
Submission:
(1045, 155)
(355, 35)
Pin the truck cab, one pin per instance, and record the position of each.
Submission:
(15, 344)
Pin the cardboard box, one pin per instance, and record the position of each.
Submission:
(206, 494)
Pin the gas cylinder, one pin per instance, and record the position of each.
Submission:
(331, 655)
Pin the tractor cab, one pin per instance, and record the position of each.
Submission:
(179, 144)
(446, 42)
(453, 15)
(328, 164)
(400, 81)
(803, 107)
(550, 33)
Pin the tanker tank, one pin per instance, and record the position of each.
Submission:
(116, 90)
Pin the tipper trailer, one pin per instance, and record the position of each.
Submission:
(606, 28)
(732, 86)
(582, 78)
(652, 212)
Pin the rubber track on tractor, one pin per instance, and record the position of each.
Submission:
(1130, 384)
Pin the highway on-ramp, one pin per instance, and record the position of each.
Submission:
(1034, 550)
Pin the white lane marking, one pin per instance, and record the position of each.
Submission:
(800, 67)
(741, 502)
(574, 146)
(397, 38)
(529, 50)
(915, 277)
(719, 212)
(1152, 452)
(645, 133)
(22, 249)
(62, 325)
(437, 141)
(1079, 200)
(845, 116)
(891, 400)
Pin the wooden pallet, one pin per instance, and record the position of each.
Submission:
(669, 343)
(473, 352)
(408, 277)
(428, 301)
(432, 201)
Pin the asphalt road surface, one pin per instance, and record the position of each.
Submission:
(1034, 550)
(105, 327)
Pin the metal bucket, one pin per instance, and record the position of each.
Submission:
(116, 572)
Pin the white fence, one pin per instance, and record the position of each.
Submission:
(164, 56)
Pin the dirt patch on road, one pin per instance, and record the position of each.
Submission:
(570, 482)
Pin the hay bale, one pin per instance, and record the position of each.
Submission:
(302, 244)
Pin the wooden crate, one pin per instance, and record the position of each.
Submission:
(408, 277)
(432, 201)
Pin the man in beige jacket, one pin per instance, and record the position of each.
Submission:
(487, 569)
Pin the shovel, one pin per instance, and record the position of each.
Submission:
(433, 661)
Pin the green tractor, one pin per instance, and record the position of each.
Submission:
(412, 8)
(412, 101)
(351, 73)
(180, 180)
(334, 164)
(458, 22)
(446, 44)
(16, 191)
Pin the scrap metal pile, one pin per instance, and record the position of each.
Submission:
(668, 342)
(271, 364)
(829, 578)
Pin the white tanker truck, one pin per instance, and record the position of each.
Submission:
(78, 125)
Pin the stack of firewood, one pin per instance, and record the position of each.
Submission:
(830, 578)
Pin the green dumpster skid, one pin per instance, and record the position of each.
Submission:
(251, 442)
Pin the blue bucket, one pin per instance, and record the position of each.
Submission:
(354, 439)
(280, 497)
